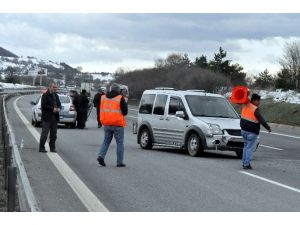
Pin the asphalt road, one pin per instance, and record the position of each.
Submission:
(160, 179)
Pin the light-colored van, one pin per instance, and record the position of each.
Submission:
(192, 120)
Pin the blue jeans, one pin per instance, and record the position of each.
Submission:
(109, 132)
(249, 146)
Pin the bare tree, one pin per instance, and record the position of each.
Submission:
(291, 62)
(173, 60)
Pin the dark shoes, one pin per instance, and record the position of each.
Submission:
(121, 165)
(249, 167)
(43, 150)
(52, 150)
(101, 161)
(99, 125)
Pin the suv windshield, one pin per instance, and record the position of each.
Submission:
(210, 106)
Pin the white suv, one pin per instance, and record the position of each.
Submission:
(192, 120)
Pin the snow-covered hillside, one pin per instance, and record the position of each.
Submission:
(103, 77)
(24, 64)
(13, 86)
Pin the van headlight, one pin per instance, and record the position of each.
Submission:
(214, 129)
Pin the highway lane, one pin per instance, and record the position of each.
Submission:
(159, 179)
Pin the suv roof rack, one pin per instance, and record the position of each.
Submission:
(164, 88)
(196, 90)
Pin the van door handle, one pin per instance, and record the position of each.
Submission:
(161, 118)
(168, 118)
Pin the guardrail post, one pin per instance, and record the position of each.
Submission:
(11, 193)
(7, 163)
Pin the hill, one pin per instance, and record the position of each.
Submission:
(61, 72)
(6, 53)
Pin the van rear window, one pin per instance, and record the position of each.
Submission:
(146, 104)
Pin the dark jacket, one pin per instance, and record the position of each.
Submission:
(254, 127)
(97, 99)
(123, 103)
(81, 103)
(47, 104)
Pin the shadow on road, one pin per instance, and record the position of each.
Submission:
(206, 154)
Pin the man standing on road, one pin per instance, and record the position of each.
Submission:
(250, 124)
(51, 107)
(81, 103)
(96, 102)
(113, 109)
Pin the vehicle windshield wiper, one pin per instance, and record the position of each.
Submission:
(215, 116)
(225, 117)
(203, 115)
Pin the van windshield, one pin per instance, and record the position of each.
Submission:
(209, 106)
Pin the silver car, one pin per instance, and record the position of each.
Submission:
(67, 115)
(192, 120)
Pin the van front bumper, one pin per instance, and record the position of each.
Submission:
(225, 142)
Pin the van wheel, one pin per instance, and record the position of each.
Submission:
(194, 145)
(239, 154)
(145, 139)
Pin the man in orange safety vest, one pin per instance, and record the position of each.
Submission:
(250, 124)
(113, 109)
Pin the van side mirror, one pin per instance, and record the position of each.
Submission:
(33, 103)
(180, 115)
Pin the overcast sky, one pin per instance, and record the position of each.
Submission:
(104, 42)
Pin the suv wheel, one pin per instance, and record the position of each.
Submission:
(194, 145)
(145, 139)
(239, 154)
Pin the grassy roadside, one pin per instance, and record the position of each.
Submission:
(278, 112)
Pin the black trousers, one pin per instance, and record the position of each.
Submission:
(98, 116)
(81, 118)
(52, 127)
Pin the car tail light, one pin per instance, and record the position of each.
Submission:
(72, 108)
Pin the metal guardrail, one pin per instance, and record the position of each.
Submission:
(16, 180)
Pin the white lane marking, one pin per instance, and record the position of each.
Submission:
(91, 202)
(266, 146)
(271, 181)
(280, 134)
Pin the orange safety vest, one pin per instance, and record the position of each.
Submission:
(248, 113)
(110, 112)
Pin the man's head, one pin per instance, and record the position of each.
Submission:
(115, 87)
(102, 90)
(255, 99)
(83, 92)
(53, 87)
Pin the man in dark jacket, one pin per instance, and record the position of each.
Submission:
(250, 124)
(96, 102)
(81, 104)
(51, 107)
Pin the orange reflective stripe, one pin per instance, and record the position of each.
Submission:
(248, 113)
(110, 111)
